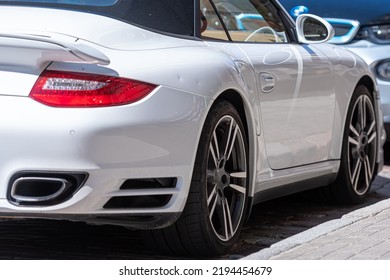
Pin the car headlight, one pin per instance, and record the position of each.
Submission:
(382, 70)
(379, 34)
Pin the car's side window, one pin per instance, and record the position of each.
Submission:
(211, 26)
(245, 21)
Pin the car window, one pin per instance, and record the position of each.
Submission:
(171, 16)
(245, 21)
(211, 25)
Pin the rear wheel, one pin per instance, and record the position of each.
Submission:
(214, 214)
(358, 158)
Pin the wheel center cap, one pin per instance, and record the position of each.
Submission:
(363, 142)
(222, 177)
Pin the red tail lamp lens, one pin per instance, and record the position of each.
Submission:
(69, 89)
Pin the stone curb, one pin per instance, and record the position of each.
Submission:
(320, 230)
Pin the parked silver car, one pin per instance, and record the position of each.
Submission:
(166, 116)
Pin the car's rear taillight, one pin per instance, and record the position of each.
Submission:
(70, 89)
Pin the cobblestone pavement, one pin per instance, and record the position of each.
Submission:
(363, 234)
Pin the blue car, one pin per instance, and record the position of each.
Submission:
(361, 26)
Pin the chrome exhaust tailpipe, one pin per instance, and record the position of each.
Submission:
(28, 188)
(38, 189)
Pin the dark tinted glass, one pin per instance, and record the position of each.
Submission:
(170, 16)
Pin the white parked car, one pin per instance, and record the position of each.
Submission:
(165, 116)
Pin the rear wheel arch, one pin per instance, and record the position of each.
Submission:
(218, 202)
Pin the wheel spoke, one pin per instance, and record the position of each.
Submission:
(372, 137)
(215, 139)
(229, 224)
(230, 137)
(223, 220)
(356, 174)
(214, 153)
(353, 141)
(366, 174)
(238, 188)
(362, 111)
(231, 142)
(212, 210)
(367, 166)
(212, 195)
(354, 130)
(372, 126)
(239, 175)
(210, 176)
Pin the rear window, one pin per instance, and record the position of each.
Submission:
(170, 16)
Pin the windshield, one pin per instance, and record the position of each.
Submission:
(170, 16)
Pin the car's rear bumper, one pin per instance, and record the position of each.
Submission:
(118, 148)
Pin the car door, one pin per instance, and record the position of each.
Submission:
(294, 83)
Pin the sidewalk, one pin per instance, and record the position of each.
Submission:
(363, 234)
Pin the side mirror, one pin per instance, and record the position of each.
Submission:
(312, 29)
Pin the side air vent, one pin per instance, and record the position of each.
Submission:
(143, 193)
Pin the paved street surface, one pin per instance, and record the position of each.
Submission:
(363, 234)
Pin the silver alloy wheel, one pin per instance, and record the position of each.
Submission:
(226, 178)
(362, 145)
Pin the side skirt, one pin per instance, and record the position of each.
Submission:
(278, 183)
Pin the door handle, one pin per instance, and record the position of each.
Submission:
(267, 82)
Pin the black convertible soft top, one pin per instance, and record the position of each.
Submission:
(171, 16)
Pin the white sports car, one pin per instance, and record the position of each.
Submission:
(177, 116)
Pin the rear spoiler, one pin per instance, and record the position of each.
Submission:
(27, 48)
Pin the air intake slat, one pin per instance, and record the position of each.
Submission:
(145, 201)
(143, 192)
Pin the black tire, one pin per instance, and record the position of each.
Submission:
(216, 205)
(358, 156)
